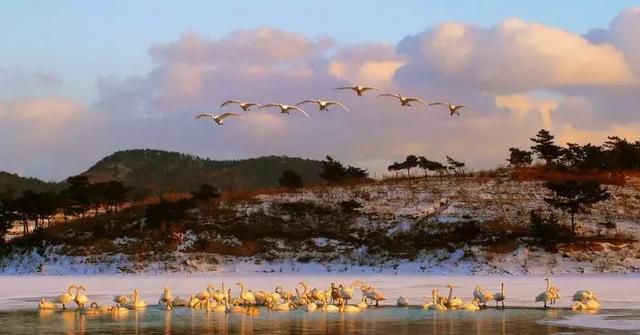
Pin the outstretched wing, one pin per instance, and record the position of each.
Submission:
(329, 103)
(418, 100)
(300, 110)
(439, 103)
(230, 102)
(463, 106)
(269, 105)
(210, 115)
(345, 88)
(226, 115)
(397, 96)
(367, 88)
(306, 101)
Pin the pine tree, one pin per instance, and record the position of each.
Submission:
(545, 148)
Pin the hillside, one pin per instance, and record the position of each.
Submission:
(153, 171)
(478, 224)
(14, 184)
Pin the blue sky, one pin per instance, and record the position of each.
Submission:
(81, 40)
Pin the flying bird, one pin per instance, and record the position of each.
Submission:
(358, 89)
(453, 109)
(323, 104)
(219, 119)
(246, 106)
(285, 109)
(404, 101)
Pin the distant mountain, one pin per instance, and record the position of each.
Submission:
(14, 184)
(153, 171)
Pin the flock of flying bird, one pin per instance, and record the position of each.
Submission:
(323, 105)
(333, 299)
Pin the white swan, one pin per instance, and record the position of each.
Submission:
(117, 310)
(136, 303)
(453, 109)
(438, 304)
(346, 292)
(285, 109)
(584, 295)
(452, 302)
(194, 302)
(358, 89)
(246, 106)
(166, 297)
(472, 306)
(362, 304)
(402, 302)
(66, 298)
(80, 298)
(246, 296)
(482, 296)
(545, 296)
(219, 295)
(587, 305)
(95, 309)
(499, 296)
(323, 105)
(285, 295)
(433, 300)
(372, 294)
(46, 305)
(404, 100)
(218, 119)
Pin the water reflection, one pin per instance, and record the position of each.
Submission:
(372, 321)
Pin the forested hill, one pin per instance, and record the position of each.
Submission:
(12, 184)
(153, 171)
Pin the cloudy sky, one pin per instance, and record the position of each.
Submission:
(79, 80)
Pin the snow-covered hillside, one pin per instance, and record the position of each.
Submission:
(464, 225)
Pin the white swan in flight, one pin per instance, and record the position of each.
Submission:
(323, 104)
(358, 89)
(219, 119)
(453, 109)
(404, 100)
(246, 106)
(285, 109)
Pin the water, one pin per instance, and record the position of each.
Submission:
(620, 297)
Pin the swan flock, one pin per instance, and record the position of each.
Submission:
(336, 297)
(323, 105)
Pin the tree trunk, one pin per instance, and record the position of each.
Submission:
(573, 224)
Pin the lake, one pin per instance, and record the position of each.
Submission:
(19, 296)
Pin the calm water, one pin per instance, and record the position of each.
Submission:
(387, 320)
(620, 297)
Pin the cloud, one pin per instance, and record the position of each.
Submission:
(513, 56)
(521, 105)
(374, 64)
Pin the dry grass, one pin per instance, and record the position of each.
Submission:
(537, 173)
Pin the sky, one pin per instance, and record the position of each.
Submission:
(79, 80)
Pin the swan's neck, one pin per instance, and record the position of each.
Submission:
(70, 288)
(450, 293)
(548, 284)
(502, 289)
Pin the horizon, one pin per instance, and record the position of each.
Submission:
(77, 85)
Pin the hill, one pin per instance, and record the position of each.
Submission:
(13, 184)
(154, 171)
